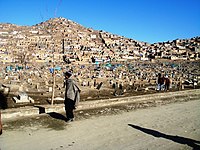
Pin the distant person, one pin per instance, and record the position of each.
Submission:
(115, 87)
(72, 96)
(160, 82)
(95, 83)
(121, 89)
(167, 83)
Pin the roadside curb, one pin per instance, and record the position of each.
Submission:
(154, 98)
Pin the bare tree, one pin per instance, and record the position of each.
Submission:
(24, 56)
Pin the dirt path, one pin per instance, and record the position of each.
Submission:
(172, 126)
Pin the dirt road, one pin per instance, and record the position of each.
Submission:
(173, 126)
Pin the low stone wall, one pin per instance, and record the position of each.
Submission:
(158, 98)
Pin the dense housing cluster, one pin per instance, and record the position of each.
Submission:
(30, 54)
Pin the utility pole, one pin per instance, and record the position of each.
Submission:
(53, 63)
(54, 81)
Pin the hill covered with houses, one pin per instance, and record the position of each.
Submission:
(98, 59)
(71, 41)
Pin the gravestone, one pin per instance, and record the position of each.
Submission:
(21, 88)
(30, 81)
(50, 89)
(6, 90)
(99, 86)
(46, 83)
(23, 98)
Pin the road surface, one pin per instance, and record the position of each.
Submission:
(168, 127)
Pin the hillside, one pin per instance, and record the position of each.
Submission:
(78, 43)
(100, 61)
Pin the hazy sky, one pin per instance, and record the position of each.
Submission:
(144, 20)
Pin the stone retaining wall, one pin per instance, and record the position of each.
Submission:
(170, 97)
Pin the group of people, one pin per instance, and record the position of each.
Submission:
(163, 82)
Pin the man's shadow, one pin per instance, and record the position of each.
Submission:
(178, 139)
(57, 116)
(52, 114)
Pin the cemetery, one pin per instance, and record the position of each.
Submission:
(34, 58)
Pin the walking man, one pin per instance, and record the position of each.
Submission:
(72, 96)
